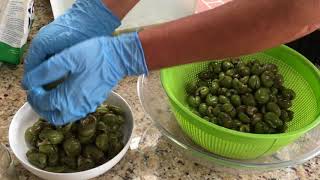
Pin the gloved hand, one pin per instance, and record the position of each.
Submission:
(92, 68)
(86, 19)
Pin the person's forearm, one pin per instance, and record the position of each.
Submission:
(237, 28)
(120, 7)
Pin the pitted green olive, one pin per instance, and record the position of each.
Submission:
(254, 82)
(203, 91)
(227, 65)
(243, 117)
(273, 107)
(248, 100)
(226, 82)
(191, 87)
(203, 108)
(236, 100)
(223, 99)
(262, 95)
(267, 79)
(214, 88)
(194, 101)
(72, 147)
(211, 100)
(102, 142)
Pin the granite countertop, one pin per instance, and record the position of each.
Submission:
(153, 157)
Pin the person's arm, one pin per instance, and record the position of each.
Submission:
(120, 7)
(237, 28)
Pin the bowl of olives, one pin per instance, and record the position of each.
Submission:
(246, 107)
(83, 149)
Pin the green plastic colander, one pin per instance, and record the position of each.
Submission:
(299, 74)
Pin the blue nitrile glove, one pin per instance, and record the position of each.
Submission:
(84, 20)
(92, 68)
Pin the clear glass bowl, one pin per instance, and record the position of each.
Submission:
(156, 105)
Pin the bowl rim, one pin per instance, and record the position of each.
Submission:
(119, 156)
(205, 124)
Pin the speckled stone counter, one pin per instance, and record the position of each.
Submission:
(153, 157)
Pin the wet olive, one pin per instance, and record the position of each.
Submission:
(244, 71)
(226, 82)
(227, 107)
(104, 110)
(214, 88)
(241, 108)
(216, 110)
(221, 75)
(92, 152)
(245, 79)
(254, 82)
(236, 100)
(88, 139)
(53, 136)
(38, 159)
(278, 80)
(87, 126)
(30, 137)
(256, 69)
(248, 99)
(53, 159)
(267, 79)
(68, 161)
(222, 91)
(202, 91)
(290, 114)
(237, 123)
(202, 83)
(227, 65)
(251, 110)
(194, 101)
(260, 127)
(244, 128)
(85, 163)
(72, 147)
(215, 66)
(204, 75)
(236, 84)
(256, 118)
(48, 149)
(214, 120)
(288, 94)
(283, 103)
(273, 107)
(102, 142)
(272, 120)
(228, 123)
(243, 89)
(223, 99)
(243, 117)
(191, 87)
(284, 116)
(115, 109)
(262, 95)
(230, 72)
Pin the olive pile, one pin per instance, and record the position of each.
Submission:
(77, 146)
(243, 96)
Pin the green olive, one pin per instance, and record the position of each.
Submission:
(245, 79)
(256, 118)
(204, 75)
(194, 101)
(90, 139)
(288, 94)
(223, 91)
(72, 147)
(260, 127)
(278, 80)
(243, 117)
(87, 126)
(68, 161)
(273, 107)
(236, 100)
(244, 71)
(92, 152)
(248, 99)
(53, 159)
(191, 87)
(38, 159)
(53, 136)
(223, 99)
(202, 91)
(206, 118)
(195, 112)
(284, 104)
(214, 120)
(251, 110)
(290, 114)
(103, 110)
(215, 66)
(271, 67)
(241, 108)
(202, 83)
(236, 84)
(237, 123)
(30, 136)
(211, 100)
(284, 116)
(48, 149)
(221, 75)
(216, 110)
(115, 109)
(256, 69)
(273, 98)
(230, 72)
(85, 163)
(267, 79)
(226, 82)
(102, 142)
(254, 82)
(244, 128)
(243, 89)
(227, 65)
(262, 95)
(203, 108)
(227, 107)
(214, 88)
(272, 120)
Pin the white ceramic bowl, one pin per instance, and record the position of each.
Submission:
(25, 117)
